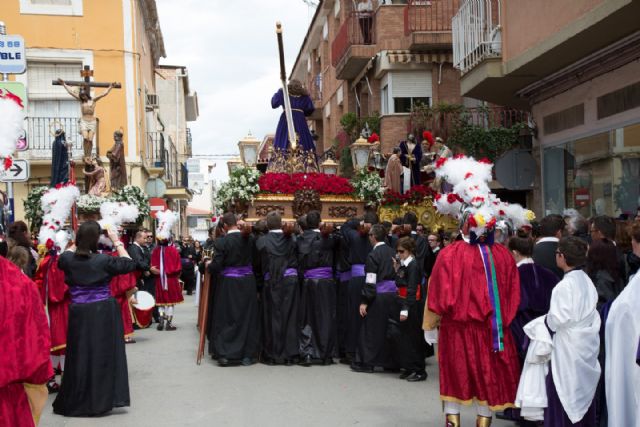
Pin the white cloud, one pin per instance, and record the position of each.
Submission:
(231, 53)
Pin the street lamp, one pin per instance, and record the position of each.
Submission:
(329, 166)
(360, 151)
(249, 150)
(234, 164)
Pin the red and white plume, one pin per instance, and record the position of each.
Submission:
(11, 122)
(56, 205)
(166, 220)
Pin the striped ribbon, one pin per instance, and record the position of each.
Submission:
(494, 296)
(163, 276)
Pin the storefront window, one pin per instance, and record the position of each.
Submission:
(597, 175)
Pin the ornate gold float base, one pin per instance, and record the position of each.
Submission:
(426, 213)
(333, 209)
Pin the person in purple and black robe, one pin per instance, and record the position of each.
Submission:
(235, 333)
(278, 272)
(301, 107)
(318, 293)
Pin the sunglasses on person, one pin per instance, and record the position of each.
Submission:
(401, 251)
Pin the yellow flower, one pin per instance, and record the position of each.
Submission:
(479, 220)
(529, 215)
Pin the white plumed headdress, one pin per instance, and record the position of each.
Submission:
(166, 220)
(56, 205)
(11, 122)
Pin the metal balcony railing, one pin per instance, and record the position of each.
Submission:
(154, 150)
(476, 33)
(41, 134)
(429, 15)
(359, 28)
(184, 176)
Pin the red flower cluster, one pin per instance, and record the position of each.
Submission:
(374, 138)
(283, 183)
(440, 162)
(414, 196)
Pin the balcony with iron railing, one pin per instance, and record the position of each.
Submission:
(314, 86)
(161, 153)
(427, 23)
(476, 33)
(354, 45)
(40, 132)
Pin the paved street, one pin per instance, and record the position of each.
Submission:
(169, 389)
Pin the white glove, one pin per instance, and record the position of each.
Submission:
(431, 337)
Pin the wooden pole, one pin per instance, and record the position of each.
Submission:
(204, 319)
(291, 130)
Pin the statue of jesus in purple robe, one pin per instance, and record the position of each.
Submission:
(301, 107)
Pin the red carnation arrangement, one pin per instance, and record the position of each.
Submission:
(441, 161)
(373, 138)
(282, 183)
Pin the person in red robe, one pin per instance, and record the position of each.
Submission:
(55, 296)
(123, 288)
(25, 366)
(165, 265)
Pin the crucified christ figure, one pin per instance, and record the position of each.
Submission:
(88, 123)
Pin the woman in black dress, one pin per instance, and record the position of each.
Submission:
(95, 378)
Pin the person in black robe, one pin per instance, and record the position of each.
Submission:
(408, 351)
(188, 260)
(343, 277)
(59, 160)
(149, 280)
(378, 305)
(235, 326)
(214, 279)
(318, 293)
(356, 239)
(278, 270)
(95, 378)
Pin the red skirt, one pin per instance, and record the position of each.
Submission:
(58, 321)
(171, 296)
(470, 369)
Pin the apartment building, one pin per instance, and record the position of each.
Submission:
(575, 65)
(375, 61)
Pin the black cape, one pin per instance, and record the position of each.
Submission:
(59, 161)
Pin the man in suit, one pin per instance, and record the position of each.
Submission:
(544, 252)
(604, 228)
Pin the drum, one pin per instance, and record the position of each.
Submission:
(143, 310)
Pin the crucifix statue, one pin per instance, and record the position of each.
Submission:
(88, 122)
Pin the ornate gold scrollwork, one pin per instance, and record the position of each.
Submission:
(426, 213)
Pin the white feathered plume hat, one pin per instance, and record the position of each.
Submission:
(114, 214)
(166, 220)
(471, 200)
(56, 205)
(11, 122)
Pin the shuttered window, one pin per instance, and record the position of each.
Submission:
(40, 75)
(405, 89)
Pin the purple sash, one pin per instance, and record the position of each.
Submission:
(238, 271)
(345, 276)
(289, 272)
(386, 286)
(494, 296)
(319, 273)
(357, 270)
(89, 294)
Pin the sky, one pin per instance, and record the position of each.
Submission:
(231, 53)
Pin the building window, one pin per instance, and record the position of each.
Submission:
(597, 175)
(404, 90)
(51, 7)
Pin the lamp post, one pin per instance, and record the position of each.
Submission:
(329, 167)
(234, 164)
(249, 150)
(360, 152)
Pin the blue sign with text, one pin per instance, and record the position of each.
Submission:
(12, 56)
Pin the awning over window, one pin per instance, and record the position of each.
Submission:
(405, 57)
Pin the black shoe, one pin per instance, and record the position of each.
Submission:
(268, 361)
(247, 361)
(356, 367)
(57, 371)
(161, 324)
(223, 362)
(306, 361)
(328, 361)
(189, 293)
(288, 362)
(53, 386)
(346, 360)
(405, 375)
(392, 370)
(417, 376)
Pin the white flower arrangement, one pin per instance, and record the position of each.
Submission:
(241, 187)
(90, 203)
(368, 186)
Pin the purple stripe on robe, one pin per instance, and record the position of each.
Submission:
(357, 270)
(289, 272)
(345, 276)
(554, 413)
(89, 294)
(237, 271)
(319, 273)
(495, 331)
(386, 286)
